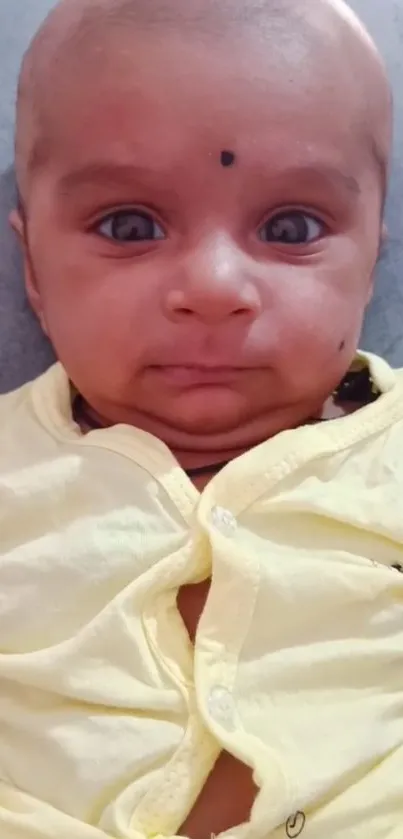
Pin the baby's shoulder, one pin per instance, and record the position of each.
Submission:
(11, 404)
(17, 429)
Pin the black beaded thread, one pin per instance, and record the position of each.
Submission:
(357, 387)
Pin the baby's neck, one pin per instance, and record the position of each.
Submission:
(202, 474)
(202, 464)
(201, 467)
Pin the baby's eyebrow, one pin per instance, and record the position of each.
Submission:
(106, 172)
(99, 172)
(329, 174)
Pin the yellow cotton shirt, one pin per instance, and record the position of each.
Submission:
(110, 720)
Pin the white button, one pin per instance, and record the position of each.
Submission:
(224, 521)
(221, 707)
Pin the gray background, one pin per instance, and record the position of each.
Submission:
(24, 352)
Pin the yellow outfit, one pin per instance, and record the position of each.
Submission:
(110, 720)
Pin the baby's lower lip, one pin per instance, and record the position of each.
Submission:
(194, 376)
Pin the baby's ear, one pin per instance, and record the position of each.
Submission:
(383, 240)
(18, 224)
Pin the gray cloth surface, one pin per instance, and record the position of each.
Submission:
(24, 352)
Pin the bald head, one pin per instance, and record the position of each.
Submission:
(70, 19)
(309, 34)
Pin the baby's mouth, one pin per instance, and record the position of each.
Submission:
(197, 375)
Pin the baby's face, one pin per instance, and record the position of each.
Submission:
(208, 304)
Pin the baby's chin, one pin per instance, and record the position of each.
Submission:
(207, 411)
(207, 419)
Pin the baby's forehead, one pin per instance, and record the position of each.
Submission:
(158, 154)
(82, 48)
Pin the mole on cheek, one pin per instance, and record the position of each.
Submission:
(342, 346)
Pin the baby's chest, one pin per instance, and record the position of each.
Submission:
(297, 643)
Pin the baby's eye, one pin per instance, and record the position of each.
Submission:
(292, 228)
(130, 226)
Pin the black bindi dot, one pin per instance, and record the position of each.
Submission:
(227, 158)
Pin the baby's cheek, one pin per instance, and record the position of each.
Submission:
(318, 338)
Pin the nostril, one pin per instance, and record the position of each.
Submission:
(182, 310)
(186, 312)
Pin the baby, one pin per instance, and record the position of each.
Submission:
(201, 523)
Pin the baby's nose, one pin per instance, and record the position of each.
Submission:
(215, 283)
